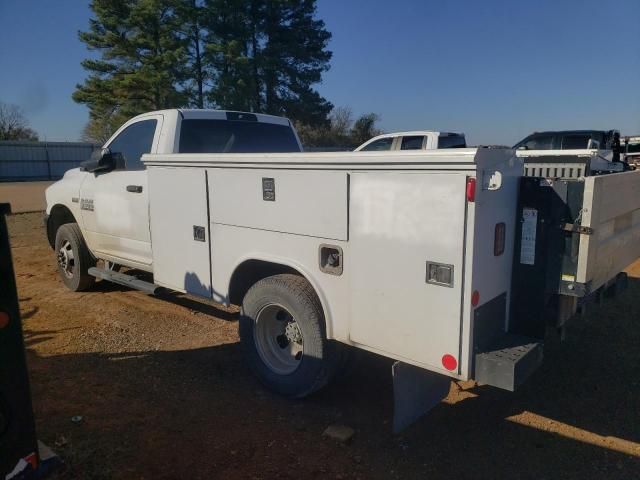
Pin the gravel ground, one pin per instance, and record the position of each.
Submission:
(164, 393)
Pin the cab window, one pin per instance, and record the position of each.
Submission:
(575, 142)
(133, 142)
(412, 143)
(380, 144)
(452, 141)
(537, 142)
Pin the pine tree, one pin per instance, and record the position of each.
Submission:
(267, 55)
(141, 55)
(293, 60)
(228, 56)
(194, 75)
(252, 55)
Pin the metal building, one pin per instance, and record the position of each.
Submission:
(41, 160)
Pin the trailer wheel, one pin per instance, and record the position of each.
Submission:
(283, 334)
(74, 258)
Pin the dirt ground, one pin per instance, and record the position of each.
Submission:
(24, 196)
(164, 393)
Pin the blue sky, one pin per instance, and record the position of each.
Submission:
(495, 69)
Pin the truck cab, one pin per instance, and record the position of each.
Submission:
(108, 195)
(416, 140)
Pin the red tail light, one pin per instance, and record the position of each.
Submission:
(4, 319)
(475, 298)
(471, 189)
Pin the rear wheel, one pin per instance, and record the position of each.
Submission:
(74, 258)
(283, 334)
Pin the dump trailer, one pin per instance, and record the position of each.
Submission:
(429, 258)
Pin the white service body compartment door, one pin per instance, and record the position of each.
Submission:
(398, 223)
(180, 230)
(311, 203)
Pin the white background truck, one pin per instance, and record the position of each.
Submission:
(406, 254)
(415, 140)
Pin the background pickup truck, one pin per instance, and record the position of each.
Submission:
(116, 179)
(570, 140)
(416, 140)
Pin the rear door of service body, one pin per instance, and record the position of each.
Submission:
(407, 235)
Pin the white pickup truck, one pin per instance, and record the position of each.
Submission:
(414, 140)
(417, 256)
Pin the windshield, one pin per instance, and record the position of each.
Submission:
(229, 136)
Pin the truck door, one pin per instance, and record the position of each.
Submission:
(115, 204)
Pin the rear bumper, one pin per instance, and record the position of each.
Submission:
(511, 360)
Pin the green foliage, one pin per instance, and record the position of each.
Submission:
(364, 128)
(141, 61)
(341, 132)
(253, 55)
(14, 125)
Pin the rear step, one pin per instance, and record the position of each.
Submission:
(124, 279)
(509, 361)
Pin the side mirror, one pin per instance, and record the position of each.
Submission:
(101, 161)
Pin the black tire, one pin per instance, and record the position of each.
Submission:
(318, 360)
(75, 272)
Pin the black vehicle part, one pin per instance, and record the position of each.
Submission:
(17, 428)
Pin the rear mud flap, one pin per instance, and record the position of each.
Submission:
(415, 392)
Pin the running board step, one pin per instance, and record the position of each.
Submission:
(509, 362)
(124, 279)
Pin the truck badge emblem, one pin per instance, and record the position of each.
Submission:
(86, 204)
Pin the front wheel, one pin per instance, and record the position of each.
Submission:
(74, 258)
(283, 334)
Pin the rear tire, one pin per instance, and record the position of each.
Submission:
(282, 331)
(74, 258)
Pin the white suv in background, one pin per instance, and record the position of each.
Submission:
(417, 140)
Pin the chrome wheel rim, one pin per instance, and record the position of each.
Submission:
(66, 259)
(278, 339)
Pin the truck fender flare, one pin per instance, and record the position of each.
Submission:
(279, 265)
(58, 215)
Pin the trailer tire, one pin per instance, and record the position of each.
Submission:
(74, 258)
(282, 332)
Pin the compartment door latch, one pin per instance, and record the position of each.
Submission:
(572, 227)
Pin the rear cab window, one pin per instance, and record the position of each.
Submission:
(235, 136)
(452, 141)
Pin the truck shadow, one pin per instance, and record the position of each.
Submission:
(201, 413)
